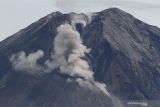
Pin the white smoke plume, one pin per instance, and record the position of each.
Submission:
(69, 53)
(27, 63)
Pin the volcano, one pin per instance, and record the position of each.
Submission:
(124, 54)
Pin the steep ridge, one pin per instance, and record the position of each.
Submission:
(125, 54)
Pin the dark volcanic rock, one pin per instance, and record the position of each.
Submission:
(125, 55)
(49, 91)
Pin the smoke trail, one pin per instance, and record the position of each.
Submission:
(69, 53)
(27, 64)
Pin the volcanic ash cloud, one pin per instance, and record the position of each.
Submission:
(69, 57)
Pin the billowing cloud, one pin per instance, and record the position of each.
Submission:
(69, 57)
(69, 53)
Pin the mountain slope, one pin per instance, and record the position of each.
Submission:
(125, 55)
(23, 90)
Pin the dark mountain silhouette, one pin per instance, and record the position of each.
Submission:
(125, 55)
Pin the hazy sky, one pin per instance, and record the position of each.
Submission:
(18, 14)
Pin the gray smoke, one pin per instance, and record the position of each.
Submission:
(69, 53)
(27, 63)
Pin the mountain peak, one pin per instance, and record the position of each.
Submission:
(113, 9)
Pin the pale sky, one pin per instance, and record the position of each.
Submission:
(18, 14)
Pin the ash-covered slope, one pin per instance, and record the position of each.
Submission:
(125, 54)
